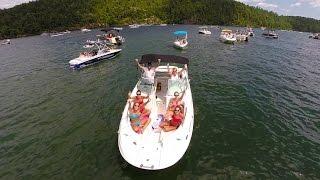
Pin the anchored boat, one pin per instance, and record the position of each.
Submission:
(181, 41)
(100, 52)
(270, 35)
(113, 36)
(227, 36)
(155, 149)
(204, 30)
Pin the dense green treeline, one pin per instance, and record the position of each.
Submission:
(57, 15)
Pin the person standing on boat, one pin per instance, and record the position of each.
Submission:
(149, 71)
(174, 74)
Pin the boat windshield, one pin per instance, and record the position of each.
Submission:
(178, 85)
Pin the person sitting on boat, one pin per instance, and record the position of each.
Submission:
(174, 122)
(174, 74)
(140, 99)
(173, 103)
(139, 120)
(149, 71)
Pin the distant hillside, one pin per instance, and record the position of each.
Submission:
(57, 15)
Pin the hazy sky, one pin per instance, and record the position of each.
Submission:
(308, 8)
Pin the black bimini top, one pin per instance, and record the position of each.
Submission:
(152, 58)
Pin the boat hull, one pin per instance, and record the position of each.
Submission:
(179, 45)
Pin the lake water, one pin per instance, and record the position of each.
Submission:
(257, 107)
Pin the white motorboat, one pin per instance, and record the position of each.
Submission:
(181, 41)
(85, 30)
(155, 149)
(162, 24)
(242, 36)
(6, 42)
(270, 34)
(250, 32)
(227, 36)
(204, 30)
(315, 36)
(56, 34)
(66, 32)
(98, 54)
(113, 36)
(118, 28)
(134, 26)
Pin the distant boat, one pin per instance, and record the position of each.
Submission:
(250, 32)
(270, 34)
(66, 32)
(44, 34)
(204, 30)
(85, 30)
(98, 54)
(134, 26)
(56, 34)
(315, 36)
(163, 25)
(118, 28)
(227, 36)
(181, 41)
(6, 42)
(113, 36)
(263, 28)
(241, 37)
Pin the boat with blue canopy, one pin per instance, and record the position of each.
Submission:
(181, 41)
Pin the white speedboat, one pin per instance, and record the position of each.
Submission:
(227, 36)
(204, 30)
(56, 34)
(162, 24)
(134, 26)
(96, 55)
(118, 28)
(181, 41)
(270, 35)
(155, 149)
(241, 37)
(6, 42)
(66, 32)
(85, 30)
(250, 32)
(113, 36)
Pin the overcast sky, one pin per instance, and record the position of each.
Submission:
(308, 8)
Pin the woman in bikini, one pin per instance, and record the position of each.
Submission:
(173, 103)
(139, 120)
(174, 74)
(140, 99)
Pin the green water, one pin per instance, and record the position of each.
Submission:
(257, 107)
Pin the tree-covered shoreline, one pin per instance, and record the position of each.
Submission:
(57, 15)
